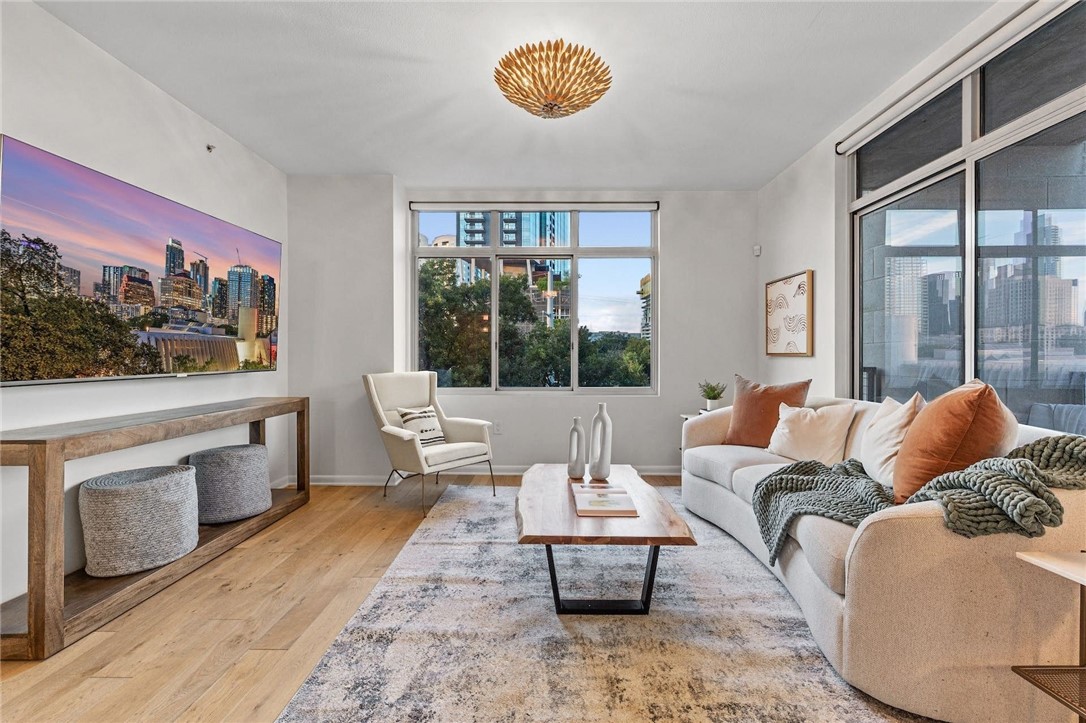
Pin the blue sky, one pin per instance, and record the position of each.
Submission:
(608, 287)
(96, 220)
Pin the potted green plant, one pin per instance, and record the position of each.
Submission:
(712, 393)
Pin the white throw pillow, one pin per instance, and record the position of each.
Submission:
(882, 438)
(804, 433)
(423, 422)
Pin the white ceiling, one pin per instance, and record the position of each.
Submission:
(711, 96)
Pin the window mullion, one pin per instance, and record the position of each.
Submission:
(574, 325)
(970, 278)
(495, 289)
(574, 293)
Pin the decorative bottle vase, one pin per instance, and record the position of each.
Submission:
(577, 449)
(599, 460)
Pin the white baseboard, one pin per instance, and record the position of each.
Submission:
(353, 480)
(375, 480)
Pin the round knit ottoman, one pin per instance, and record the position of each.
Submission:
(232, 483)
(137, 519)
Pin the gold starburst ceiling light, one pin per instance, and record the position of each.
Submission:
(552, 79)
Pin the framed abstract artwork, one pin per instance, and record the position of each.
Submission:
(789, 315)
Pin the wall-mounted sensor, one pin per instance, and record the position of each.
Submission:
(757, 249)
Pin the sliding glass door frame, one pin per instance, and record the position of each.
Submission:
(974, 148)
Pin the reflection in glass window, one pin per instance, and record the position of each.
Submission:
(454, 320)
(1031, 276)
(614, 306)
(911, 294)
(534, 338)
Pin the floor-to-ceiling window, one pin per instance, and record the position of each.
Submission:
(969, 228)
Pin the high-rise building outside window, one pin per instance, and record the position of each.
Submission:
(977, 267)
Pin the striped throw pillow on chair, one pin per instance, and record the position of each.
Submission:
(423, 422)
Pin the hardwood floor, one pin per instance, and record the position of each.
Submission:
(233, 640)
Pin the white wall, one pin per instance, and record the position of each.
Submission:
(803, 222)
(343, 263)
(348, 257)
(63, 94)
(798, 228)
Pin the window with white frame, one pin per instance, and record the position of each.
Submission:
(536, 297)
(969, 233)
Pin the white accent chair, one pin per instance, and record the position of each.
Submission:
(467, 441)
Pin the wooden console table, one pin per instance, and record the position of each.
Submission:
(59, 609)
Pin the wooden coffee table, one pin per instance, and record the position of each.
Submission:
(546, 515)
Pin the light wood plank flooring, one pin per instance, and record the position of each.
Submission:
(235, 639)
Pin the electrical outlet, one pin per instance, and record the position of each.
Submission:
(497, 427)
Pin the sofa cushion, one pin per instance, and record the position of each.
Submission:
(443, 453)
(883, 437)
(745, 479)
(817, 434)
(756, 409)
(824, 541)
(825, 545)
(953, 431)
(718, 462)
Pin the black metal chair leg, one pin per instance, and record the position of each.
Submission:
(384, 490)
(493, 489)
(437, 479)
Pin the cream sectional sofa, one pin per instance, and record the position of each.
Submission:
(905, 610)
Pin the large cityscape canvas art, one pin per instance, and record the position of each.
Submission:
(100, 279)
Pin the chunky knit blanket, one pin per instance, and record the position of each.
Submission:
(1002, 494)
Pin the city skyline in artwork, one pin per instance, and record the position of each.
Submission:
(100, 278)
(96, 220)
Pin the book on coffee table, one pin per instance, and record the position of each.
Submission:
(584, 488)
(605, 505)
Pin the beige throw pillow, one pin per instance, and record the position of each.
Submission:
(803, 433)
(424, 423)
(883, 437)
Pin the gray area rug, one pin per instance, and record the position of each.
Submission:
(462, 628)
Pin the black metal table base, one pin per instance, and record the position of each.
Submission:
(606, 607)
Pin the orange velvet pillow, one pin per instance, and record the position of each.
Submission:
(961, 427)
(756, 409)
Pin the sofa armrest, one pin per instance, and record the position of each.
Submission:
(706, 429)
(929, 613)
(462, 429)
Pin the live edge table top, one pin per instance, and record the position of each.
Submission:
(546, 514)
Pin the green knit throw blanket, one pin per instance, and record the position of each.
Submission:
(1002, 494)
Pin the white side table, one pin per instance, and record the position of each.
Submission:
(1065, 683)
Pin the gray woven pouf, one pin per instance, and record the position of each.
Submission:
(137, 519)
(232, 483)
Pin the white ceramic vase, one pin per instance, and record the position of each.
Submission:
(711, 404)
(577, 450)
(599, 459)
